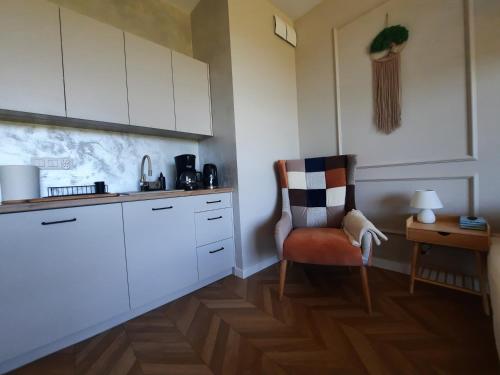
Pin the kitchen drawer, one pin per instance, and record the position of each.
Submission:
(449, 239)
(158, 208)
(213, 226)
(212, 202)
(215, 258)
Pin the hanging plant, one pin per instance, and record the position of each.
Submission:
(386, 76)
(388, 38)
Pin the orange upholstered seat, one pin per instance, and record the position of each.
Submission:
(329, 246)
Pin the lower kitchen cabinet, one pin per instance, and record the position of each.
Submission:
(67, 274)
(161, 249)
(61, 271)
(215, 258)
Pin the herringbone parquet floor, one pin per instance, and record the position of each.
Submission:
(321, 327)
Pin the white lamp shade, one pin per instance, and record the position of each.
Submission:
(426, 199)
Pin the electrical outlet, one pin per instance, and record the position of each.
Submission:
(53, 163)
(66, 164)
(38, 162)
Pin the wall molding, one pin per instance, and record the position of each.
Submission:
(245, 272)
(471, 94)
(391, 265)
(472, 180)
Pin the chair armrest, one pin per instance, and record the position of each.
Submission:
(366, 248)
(281, 232)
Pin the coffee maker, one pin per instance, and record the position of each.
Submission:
(187, 177)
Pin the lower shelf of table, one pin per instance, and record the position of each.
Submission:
(452, 280)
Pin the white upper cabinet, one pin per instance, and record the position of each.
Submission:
(94, 69)
(31, 74)
(149, 82)
(192, 95)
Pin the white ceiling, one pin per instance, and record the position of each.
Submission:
(293, 8)
(185, 5)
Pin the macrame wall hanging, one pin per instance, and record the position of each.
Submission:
(385, 53)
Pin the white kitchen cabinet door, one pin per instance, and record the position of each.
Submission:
(192, 95)
(149, 82)
(61, 271)
(161, 250)
(94, 69)
(31, 74)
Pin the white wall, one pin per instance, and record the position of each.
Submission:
(382, 187)
(434, 84)
(265, 108)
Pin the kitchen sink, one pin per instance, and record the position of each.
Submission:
(132, 193)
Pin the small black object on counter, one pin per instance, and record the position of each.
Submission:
(163, 181)
(210, 178)
(100, 187)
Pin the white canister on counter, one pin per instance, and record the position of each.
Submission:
(19, 182)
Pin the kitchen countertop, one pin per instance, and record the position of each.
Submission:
(126, 197)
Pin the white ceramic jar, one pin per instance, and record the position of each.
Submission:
(19, 182)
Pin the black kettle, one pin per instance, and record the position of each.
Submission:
(210, 178)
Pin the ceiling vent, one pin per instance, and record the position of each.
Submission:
(285, 31)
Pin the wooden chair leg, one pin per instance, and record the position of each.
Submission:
(282, 277)
(366, 289)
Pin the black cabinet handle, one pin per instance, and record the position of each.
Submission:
(212, 202)
(444, 233)
(214, 218)
(58, 222)
(216, 251)
(162, 208)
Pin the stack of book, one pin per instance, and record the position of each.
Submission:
(473, 222)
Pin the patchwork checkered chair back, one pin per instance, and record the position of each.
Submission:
(318, 192)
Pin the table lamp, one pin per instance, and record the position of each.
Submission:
(426, 201)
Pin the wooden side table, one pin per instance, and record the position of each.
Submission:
(447, 232)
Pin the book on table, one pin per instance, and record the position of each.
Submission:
(473, 222)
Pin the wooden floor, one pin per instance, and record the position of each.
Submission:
(321, 327)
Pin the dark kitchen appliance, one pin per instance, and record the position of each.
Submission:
(187, 177)
(210, 178)
(189, 180)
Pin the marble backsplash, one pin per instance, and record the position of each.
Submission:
(97, 156)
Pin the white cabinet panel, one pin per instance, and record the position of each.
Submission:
(192, 95)
(161, 250)
(149, 81)
(31, 75)
(214, 258)
(59, 278)
(212, 226)
(94, 69)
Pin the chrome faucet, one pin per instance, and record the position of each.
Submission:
(150, 170)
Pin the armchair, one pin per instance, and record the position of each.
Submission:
(317, 193)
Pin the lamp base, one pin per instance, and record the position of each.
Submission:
(426, 216)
